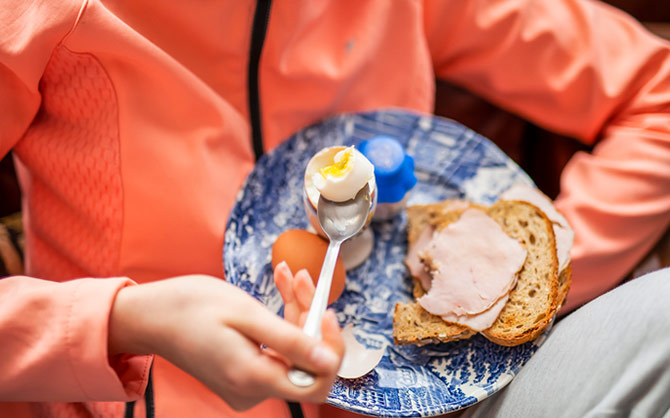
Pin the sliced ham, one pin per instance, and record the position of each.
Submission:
(413, 262)
(482, 320)
(564, 234)
(474, 263)
(564, 239)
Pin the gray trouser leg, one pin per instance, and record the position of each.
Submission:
(610, 358)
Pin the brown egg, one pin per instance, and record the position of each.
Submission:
(304, 250)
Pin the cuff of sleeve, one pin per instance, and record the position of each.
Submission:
(122, 378)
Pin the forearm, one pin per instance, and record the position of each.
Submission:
(618, 201)
(128, 330)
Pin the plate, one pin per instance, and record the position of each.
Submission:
(451, 161)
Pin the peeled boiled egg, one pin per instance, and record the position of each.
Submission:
(302, 249)
(340, 176)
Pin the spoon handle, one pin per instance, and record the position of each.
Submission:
(312, 325)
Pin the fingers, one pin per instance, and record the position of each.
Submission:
(297, 292)
(319, 391)
(303, 289)
(287, 342)
(255, 321)
(249, 375)
(284, 281)
(259, 374)
(283, 278)
(269, 379)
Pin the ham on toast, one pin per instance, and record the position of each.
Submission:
(532, 303)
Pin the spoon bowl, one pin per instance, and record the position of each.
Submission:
(343, 220)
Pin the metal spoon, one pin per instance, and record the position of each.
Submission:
(339, 221)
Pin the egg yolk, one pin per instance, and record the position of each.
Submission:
(339, 168)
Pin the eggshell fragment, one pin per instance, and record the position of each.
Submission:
(358, 360)
(302, 249)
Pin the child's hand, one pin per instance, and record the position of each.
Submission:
(297, 293)
(214, 331)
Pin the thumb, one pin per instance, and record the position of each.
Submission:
(263, 326)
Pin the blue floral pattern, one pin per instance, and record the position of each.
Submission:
(451, 161)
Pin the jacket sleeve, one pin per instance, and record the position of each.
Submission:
(53, 336)
(584, 69)
(29, 32)
(55, 343)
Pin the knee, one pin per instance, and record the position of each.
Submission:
(647, 295)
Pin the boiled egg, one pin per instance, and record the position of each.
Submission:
(302, 249)
(342, 178)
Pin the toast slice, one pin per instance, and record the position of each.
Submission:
(534, 300)
(414, 325)
(532, 303)
(411, 323)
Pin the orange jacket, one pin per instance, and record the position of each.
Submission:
(132, 132)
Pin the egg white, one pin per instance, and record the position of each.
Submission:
(340, 188)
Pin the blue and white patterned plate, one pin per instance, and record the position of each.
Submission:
(451, 162)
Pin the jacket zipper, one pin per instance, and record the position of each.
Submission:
(258, 31)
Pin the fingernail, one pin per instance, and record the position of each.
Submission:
(323, 357)
(283, 267)
(332, 317)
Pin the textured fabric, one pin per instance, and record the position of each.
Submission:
(130, 126)
(610, 358)
(71, 170)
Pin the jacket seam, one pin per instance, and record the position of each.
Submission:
(77, 19)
